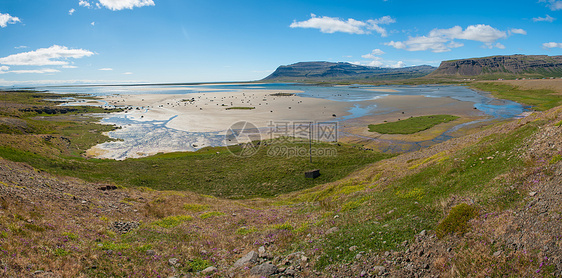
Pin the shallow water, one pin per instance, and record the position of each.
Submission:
(141, 138)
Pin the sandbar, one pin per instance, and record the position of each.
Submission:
(207, 112)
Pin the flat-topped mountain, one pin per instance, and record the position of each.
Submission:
(536, 66)
(327, 71)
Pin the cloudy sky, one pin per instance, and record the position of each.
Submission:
(122, 41)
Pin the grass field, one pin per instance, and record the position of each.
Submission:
(539, 99)
(212, 171)
(411, 125)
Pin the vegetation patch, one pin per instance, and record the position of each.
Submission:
(282, 94)
(114, 246)
(456, 221)
(283, 226)
(240, 108)
(246, 231)
(195, 207)
(211, 214)
(411, 125)
(60, 252)
(555, 159)
(197, 265)
(172, 221)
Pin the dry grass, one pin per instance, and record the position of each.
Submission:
(534, 84)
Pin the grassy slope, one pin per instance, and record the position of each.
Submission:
(539, 99)
(208, 172)
(381, 217)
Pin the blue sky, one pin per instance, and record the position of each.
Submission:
(122, 41)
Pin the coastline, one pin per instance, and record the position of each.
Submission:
(193, 119)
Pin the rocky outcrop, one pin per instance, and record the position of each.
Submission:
(497, 66)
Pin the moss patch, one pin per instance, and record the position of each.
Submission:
(457, 220)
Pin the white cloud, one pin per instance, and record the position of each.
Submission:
(6, 69)
(421, 43)
(397, 45)
(491, 45)
(128, 73)
(375, 24)
(552, 45)
(332, 25)
(383, 20)
(35, 82)
(93, 23)
(84, 3)
(399, 64)
(71, 11)
(547, 18)
(373, 53)
(442, 40)
(6, 19)
(35, 71)
(517, 31)
(20, 47)
(376, 61)
(480, 32)
(69, 67)
(53, 56)
(117, 5)
(553, 4)
(106, 69)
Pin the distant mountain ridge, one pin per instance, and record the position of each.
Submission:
(328, 71)
(512, 66)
